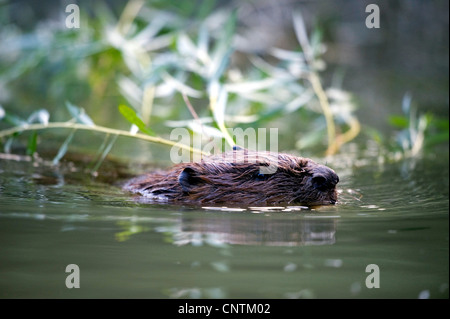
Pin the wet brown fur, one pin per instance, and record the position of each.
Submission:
(234, 178)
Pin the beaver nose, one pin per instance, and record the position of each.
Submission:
(324, 178)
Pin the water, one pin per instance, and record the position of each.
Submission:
(392, 215)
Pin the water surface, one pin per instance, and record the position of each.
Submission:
(392, 215)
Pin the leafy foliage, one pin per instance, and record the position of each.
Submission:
(151, 60)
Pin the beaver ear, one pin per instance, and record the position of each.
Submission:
(187, 179)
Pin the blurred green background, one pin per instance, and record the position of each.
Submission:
(144, 54)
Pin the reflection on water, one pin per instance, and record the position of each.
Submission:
(392, 215)
(248, 231)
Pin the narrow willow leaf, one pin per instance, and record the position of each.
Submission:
(214, 89)
(398, 121)
(32, 144)
(375, 135)
(205, 130)
(223, 49)
(159, 42)
(203, 39)
(230, 26)
(219, 109)
(149, 32)
(7, 147)
(249, 86)
(442, 124)
(99, 152)
(147, 103)
(180, 86)
(134, 129)
(201, 120)
(131, 91)
(79, 114)
(218, 97)
(63, 149)
(40, 116)
(266, 98)
(14, 120)
(219, 65)
(272, 71)
(131, 116)
(205, 9)
(438, 138)
(287, 55)
(316, 41)
(299, 101)
(104, 154)
(302, 36)
(185, 46)
(406, 103)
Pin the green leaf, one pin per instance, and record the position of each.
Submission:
(40, 116)
(302, 35)
(131, 116)
(438, 138)
(230, 26)
(406, 103)
(203, 38)
(375, 135)
(79, 114)
(223, 49)
(185, 46)
(105, 152)
(220, 64)
(14, 120)
(441, 124)
(8, 144)
(180, 86)
(63, 149)
(32, 144)
(398, 121)
(316, 37)
(206, 8)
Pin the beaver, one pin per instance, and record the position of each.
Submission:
(241, 177)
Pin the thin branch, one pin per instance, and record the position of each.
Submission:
(353, 131)
(325, 105)
(190, 107)
(193, 113)
(78, 126)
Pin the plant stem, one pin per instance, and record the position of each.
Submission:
(128, 15)
(220, 120)
(325, 105)
(355, 128)
(334, 142)
(78, 126)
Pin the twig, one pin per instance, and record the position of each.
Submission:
(190, 107)
(353, 131)
(325, 105)
(193, 113)
(78, 126)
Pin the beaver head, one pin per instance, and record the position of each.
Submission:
(242, 177)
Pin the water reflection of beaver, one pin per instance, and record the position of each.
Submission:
(238, 177)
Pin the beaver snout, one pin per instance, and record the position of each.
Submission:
(324, 178)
